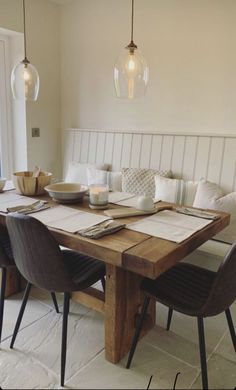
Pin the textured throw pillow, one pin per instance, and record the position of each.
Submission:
(175, 190)
(77, 172)
(140, 181)
(113, 179)
(210, 196)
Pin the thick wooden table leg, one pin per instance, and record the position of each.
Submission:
(122, 306)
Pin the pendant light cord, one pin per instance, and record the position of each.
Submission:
(132, 22)
(24, 27)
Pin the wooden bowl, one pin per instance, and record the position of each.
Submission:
(26, 184)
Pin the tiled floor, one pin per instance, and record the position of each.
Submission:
(35, 360)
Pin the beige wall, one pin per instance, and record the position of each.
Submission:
(190, 47)
(44, 53)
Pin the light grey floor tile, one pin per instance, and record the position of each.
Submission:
(35, 363)
(34, 310)
(85, 339)
(226, 349)
(148, 361)
(19, 371)
(186, 327)
(221, 374)
(174, 344)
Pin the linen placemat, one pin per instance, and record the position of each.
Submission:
(170, 225)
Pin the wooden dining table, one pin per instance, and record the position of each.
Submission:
(129, 257)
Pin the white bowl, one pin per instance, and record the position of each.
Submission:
(66, 192)
(2, 183)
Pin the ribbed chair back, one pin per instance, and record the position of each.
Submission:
(37, 254)
(223, 291)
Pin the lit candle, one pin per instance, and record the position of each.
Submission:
(98, 195)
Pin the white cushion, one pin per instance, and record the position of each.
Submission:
(206, 192)
(210, 196)
(141, 181)
(113, 179)
(175, 190)
(77, 172)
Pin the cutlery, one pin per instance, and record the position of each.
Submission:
(197, 213)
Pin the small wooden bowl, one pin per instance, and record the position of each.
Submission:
(26, 184)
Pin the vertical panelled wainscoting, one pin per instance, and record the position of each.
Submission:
(189, 156)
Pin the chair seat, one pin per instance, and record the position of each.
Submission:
(84, 270)
(184, 288)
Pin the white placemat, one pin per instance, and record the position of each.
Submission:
(170, 225)
(69, 219)
(8, 200)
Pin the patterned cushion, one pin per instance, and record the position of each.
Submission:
(140, 181)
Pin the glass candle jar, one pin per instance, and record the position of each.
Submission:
(98, 196)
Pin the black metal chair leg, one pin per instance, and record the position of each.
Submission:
(231, 327)
(2, 298)
(21, 312)
(137, 331)
(64, 335)
(202, 348)
(170, 312)
(103, 284)
(55, 301)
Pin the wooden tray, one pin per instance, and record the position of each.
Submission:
(123, 212)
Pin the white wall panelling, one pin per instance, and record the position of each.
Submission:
(189, 156)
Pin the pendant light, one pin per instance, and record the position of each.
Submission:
(131, 72)
(24, 76)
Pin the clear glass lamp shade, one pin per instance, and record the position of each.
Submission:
(131, 75)
(25, 82)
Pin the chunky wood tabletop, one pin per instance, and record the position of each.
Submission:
(129, 256)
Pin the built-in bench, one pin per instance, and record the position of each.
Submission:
(189, 156)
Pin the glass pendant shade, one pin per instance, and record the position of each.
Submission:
(24, 76)
(131, 74)
(25, 81)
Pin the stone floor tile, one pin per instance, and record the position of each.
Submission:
(174, 344)
(186, 326)
(226, 349)
(221, 374)
(20, 371)
(148, 361)
(34, 310)
(42, 341)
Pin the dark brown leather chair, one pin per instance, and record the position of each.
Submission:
(6, 262)
(42, 263)
(196, 292)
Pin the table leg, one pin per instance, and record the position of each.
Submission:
(122, 306)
